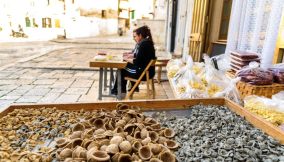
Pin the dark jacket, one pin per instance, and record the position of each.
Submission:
(144, 54)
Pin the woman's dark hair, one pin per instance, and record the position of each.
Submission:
(145, 32)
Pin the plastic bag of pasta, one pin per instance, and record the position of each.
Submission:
(173, 67)
(279, 98)
(196, 93)
(255, 75)
(211, 74)
(195, 85)
(223, 62)
(218, 84)
(266, 108)
(181, 88)
(183, 71)
(227, 89)
(278, 73)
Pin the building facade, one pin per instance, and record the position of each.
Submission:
(47, 19)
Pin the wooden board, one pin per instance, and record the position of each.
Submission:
(158, 104)
(166, 104)
(108, 64)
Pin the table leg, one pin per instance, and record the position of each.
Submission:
(118, 84)
(111, 80)
(159, 74)
(100, 84)
(105, 78)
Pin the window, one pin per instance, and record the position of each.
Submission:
(57, 23)
(103, 13)
(225, 19)
(28, 22)
(34, 23)
(46, 22)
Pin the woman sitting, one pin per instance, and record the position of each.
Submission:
(143, 53)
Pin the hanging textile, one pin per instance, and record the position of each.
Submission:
(254, 26)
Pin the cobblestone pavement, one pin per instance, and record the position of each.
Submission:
(58, 72)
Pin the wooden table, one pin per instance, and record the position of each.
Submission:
(104, 65)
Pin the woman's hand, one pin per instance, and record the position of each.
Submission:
(129, 60)
(128, 56)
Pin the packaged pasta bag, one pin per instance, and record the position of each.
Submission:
(278, 73)
(222, 61)
(181, 89)
(196, 93)
(214, 88)
(198, 68)
(255, 75)
(266, 108)
(226, 88)
(185, 69)
(212, 74)
(196, 88)
(279, 99)
(173, 67)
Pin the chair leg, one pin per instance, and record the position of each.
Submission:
(159, 74)
(148, 84)
(130, 94)
(148, 88)
(153, 88)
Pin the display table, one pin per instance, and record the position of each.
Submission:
(162, 104)
(104, 65)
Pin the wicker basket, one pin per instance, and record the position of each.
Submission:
(246, 89)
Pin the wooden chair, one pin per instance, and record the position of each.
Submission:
(139, 80)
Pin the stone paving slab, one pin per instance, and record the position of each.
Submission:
(25, 81)
(17, 92)
(63, 83)
(85, 74)
(25, 87)
(44, 81)
(38, 92)
(58, 90)
(2, 93)
(50, 97)
(8, 87)
(29, 99)
(5, 103)
(76, 91)
(10, 97)
(82, 83)
(8, 81)
(65, 98)
(4, 74)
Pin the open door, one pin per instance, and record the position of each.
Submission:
(198, 29)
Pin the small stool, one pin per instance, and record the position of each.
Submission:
(160, 64)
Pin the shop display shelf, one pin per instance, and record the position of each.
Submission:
(164, 105)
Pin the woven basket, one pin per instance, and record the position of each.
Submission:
(246, 89)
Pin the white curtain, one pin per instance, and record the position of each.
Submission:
(254, 26)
